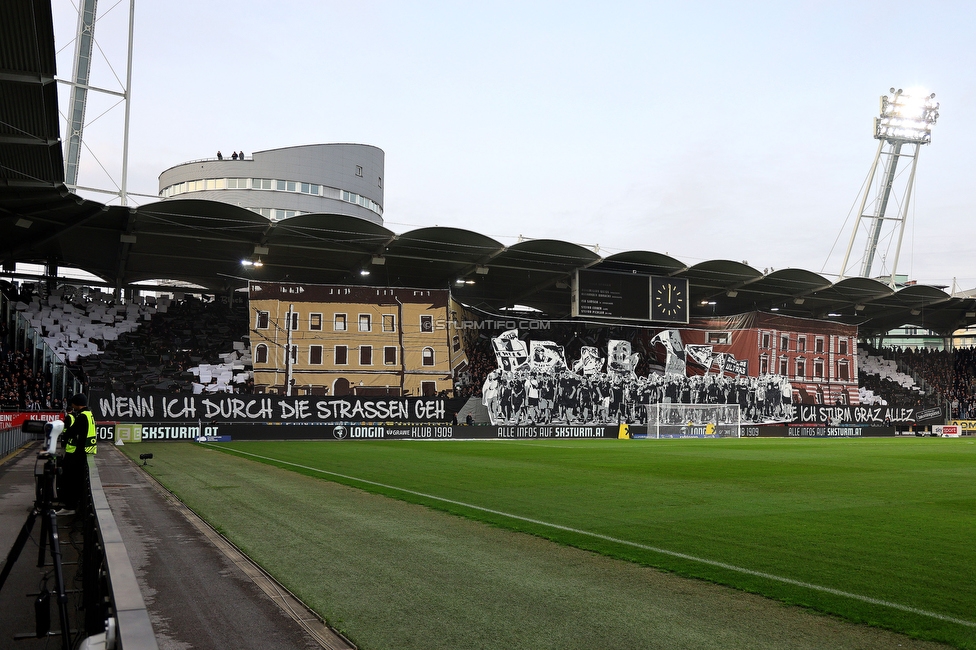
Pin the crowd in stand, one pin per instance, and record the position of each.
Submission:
(20, 388)
(167, 352)
(950, 375)
(188, 336)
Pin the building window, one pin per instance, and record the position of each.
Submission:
(359, 171)
(263, 320)
(365, 323)
(261, 354)
(818, 368)
(718, 338)
(390, 355)
(765, 340)
(763, 365)
(315, 322)
(842, 346)
(784, 366)
(428, 356)
(365, 355)
(341, 355)
(294, 354)
(801, 368)
(784, 343)
(340, 323)
(292, 321)
(457, 343)
(428, 388)
(801, 344)
(389, 323)
(426, 323)
(843, 371)
(818, 344)
(315, 355)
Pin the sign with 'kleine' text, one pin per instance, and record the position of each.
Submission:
(221, 407)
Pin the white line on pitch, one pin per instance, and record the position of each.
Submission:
(615, 540)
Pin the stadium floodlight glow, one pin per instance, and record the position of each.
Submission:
(904, 125)
(907, 117)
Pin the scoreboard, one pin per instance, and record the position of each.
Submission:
(629, 296)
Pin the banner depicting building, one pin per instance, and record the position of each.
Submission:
(765, 364)
(347, 340)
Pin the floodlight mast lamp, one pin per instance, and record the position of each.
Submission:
(904, 120)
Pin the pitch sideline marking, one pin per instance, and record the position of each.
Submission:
(624, 542)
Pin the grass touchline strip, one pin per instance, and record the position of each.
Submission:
(607, 538)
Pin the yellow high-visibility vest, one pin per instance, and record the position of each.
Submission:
(91, 436)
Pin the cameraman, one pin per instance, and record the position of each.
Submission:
(80, 440)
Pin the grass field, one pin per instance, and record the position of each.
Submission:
(880, 531)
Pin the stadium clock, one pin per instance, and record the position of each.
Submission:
(669, 300)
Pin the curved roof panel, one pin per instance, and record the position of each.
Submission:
(643, 262)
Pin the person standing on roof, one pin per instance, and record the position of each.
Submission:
(80, 440)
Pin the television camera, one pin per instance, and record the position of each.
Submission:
(45, 478)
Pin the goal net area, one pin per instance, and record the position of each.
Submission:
(694, 421)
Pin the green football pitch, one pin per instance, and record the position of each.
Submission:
(878, 531)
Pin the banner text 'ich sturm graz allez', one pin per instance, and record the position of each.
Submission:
(158, 407)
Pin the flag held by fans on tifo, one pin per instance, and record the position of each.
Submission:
(671, 340)
(700, 354)
(589, 363)
(510, 352)
(619, 357)
(546, 356)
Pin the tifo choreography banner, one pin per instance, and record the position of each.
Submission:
(878, 415)
(179, 407)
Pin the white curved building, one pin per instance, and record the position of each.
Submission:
(281, 183)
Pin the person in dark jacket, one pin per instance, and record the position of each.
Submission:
(80, 440)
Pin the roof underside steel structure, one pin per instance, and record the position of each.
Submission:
(204, 242)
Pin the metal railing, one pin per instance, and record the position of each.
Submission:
(112, 594)
(13, 438)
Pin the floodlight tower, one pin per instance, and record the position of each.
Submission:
(78, 102)
(905, 124)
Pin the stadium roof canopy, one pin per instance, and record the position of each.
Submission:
(204, 242)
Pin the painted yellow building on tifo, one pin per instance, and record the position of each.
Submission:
(353, 340)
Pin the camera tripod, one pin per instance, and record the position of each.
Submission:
(44, 476)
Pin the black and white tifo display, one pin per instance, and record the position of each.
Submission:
(534, 384)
